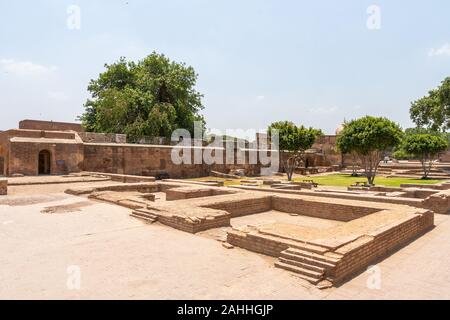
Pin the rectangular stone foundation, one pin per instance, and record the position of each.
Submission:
(379, 245)
(352, 257)
(194, 225)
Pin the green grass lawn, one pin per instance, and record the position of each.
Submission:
(345, 180)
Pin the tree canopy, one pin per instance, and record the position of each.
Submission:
(369, 137)
(151, 97)
(433, 110)
(425, 147)
(294, 139)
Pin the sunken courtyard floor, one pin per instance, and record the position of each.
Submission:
(45, 234)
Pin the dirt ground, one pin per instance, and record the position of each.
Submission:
(58, 246)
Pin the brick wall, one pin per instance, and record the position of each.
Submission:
(380, 245)
(264, 245)
(49, 125)
(137, 160)
(93, 137)
(24, 157)
(244, 207)
(317, 209)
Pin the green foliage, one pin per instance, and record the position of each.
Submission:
(368, 134)
(369, 137)
(401, 154)
(425, 147)
(152, 97)
(433, 110)
(294, 139)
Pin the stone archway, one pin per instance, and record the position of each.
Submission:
(44, 162)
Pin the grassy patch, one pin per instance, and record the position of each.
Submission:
(345, 180)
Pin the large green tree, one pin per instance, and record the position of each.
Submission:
(369, 137)
(425, 147)
(151, 97)
(295, 140)
(433, 110)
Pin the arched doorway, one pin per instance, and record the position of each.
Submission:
(44, 162)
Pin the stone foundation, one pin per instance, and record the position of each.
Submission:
(362, 233)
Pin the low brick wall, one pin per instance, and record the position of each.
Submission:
(441, 186)
(239, 208)
(3, 187)
(187, 193)
(320, 209)
(439, 202)
(192, 192)
(378, 245)
(194, 225)
(125, 178)
(262, 245)
(140, 187)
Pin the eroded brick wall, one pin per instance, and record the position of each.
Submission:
(49, 125)
(244, 207)
(64, 158)
(150, 160)
(380, 245)
(137, 160)
(318, 209)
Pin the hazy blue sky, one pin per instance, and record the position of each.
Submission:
(311, 62)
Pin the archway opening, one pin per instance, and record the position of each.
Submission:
(44, 162)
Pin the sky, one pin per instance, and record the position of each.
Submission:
(314, 63)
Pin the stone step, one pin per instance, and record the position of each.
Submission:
(303, 265)
(149, 220)
(309, 247)
(307, 260)
(312, 255)
(146, 216)
(311, 276)
(145, 213)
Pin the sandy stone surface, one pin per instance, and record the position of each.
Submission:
(274, 216)
(43, 242)
(53, 188)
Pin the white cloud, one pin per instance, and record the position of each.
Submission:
(323, 110)
(23, 68)
(260, 98)
(442, 51)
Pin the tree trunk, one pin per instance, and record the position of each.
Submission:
(289, 167)
(370, 162)
(290, 164)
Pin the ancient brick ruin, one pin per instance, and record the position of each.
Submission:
(324, 236)
(322, 240)
(43, 147)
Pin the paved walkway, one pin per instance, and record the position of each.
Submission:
(118, 257)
